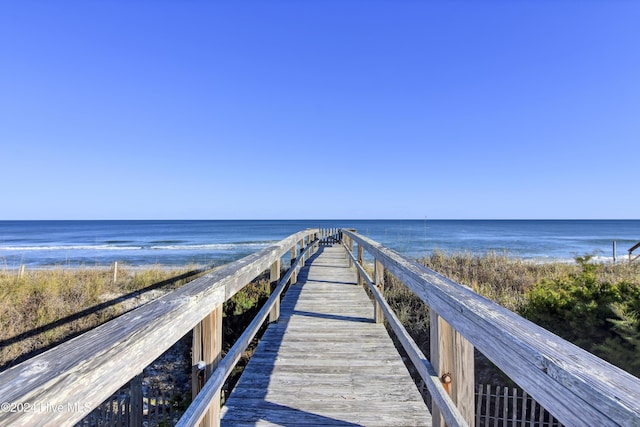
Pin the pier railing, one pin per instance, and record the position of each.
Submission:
(575, 386)
(61, 386)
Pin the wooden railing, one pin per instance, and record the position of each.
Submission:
(62, 385)
(633, 248)
(575, 386)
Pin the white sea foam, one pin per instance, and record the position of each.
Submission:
(70, 248)
(212, 246)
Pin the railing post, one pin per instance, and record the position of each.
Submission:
(274, 276)
(360, 278)
(452, 358)
(349, 245)
(115, 272)
(294, 255)
(378, 315)
(207, 348)
(136, 401)
(302, 257)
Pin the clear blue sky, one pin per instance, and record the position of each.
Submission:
(319, 109)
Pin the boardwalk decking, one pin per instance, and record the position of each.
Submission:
(326, 363)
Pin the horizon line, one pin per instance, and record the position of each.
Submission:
(320, 219)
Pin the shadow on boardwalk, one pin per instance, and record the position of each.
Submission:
(325, 362)
(271, 412)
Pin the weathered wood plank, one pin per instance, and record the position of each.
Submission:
(326, 362)
(340, 412)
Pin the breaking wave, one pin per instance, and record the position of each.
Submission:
(168, 247)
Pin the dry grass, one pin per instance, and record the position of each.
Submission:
(44, 307)
(506, 280)
(502, 279)
(497, 277)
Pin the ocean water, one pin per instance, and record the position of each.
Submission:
(41, 244)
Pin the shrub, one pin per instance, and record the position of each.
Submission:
(597, 315)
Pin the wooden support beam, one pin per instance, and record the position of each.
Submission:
(349, 243)
(378, 275)
(294, 256)
(452, 359)
(360, 259)
(136, 399)
(301, 252)
(115, 272)
(274, 277)
(207, 348)
(197, 369)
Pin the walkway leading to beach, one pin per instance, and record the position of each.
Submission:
(325, 362)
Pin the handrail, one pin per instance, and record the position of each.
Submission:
(200, 405)
(574, 385)
(60, 386)
(633, 248)
(441, 398)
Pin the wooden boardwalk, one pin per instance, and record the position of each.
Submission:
(325, 362)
